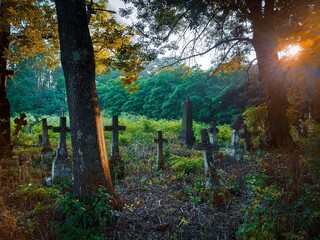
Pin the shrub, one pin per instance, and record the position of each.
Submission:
(85, 218)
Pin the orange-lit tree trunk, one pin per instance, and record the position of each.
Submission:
(91, 166)
(273, 76)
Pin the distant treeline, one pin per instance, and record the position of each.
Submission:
(41, 91)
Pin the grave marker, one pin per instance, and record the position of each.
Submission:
(160, 157)
(186, 135)
(20, 122)
(115, 159)
(212, 179)
(46, 151)
(61, 165)
(234, 149)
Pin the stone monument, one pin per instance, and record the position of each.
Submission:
(160, 157)
(116, 163)
(46, 151)
(61, 165)
(186, 135)
(209, 150)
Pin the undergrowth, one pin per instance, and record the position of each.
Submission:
(267, 195)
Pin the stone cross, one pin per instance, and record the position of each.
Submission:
(115, 161)
(5, 141)
(45, 135)
(62, 151)
(212, 179)
(20, 122)
(186, 135)
(46, 151)
(160, 156)
(61, 165)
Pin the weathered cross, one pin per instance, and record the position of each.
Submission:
(212, 179)
(20, 122)
(115, 128)
(62, 151)
(45, 136)
(116, 162)
(61, 166)
(160, 142)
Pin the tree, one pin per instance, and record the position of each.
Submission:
(91, 166)
(26, 29)
(233, 28)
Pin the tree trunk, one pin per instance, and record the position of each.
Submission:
(274, 77)
(5, 147)
(91, 166)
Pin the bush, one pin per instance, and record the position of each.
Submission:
(85, 218)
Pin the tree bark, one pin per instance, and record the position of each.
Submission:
(91, 166)
(5, 147)
(274, 77)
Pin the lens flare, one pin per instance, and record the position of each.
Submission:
(290, 51)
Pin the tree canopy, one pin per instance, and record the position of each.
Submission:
(229, 30)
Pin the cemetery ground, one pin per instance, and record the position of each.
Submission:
(265, 195)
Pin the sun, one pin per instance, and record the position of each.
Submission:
(293, 50)
(290, 51)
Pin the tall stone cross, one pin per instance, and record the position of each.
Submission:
(5, 142)
(46, 151)
(186, 135)
(115, 161)
(61, 165)
(211, 176)
(62, 151)
(160, 156)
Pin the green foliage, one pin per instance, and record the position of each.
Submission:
(38, 204)
(256, 120)
(197, 193)
(282, 200)
(260, 213)
(312, 147)
(187, 165)
(35, 192)
(41, 91)
(224, 135)
(85, 218)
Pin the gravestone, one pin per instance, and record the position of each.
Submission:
(116, 162)
(209, 150)
(61, 165)
(5, 142)
(186, 135)
(20, 122)
(234, 149)
(46, 151)
(160, 157)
